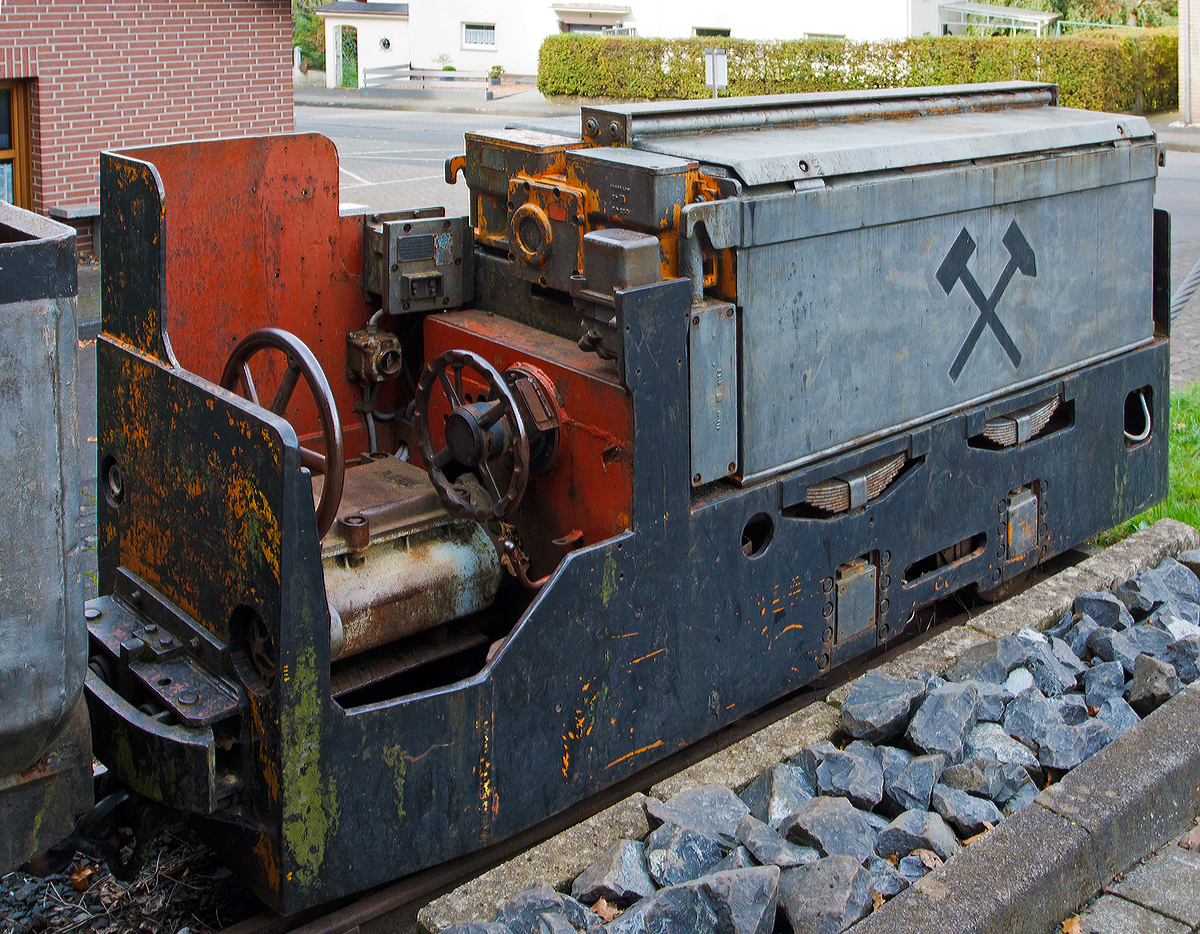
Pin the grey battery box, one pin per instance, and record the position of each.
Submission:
(419, 261)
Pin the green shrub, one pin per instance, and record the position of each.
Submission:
(1118, 70)
(308, 32)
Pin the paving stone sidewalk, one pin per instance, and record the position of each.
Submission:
(1161, 895)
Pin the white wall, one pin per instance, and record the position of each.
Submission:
(371, 54)
(762, 19)
(1189, 55)
(521, 25)
(923, 18)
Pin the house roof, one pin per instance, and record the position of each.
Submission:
(357, 8)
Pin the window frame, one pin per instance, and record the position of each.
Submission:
(21, 152)
(478, 46)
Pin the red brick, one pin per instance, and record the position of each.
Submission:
(124, 74)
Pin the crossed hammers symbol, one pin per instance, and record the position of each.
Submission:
(954, 269)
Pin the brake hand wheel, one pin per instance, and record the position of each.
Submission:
(475, 433)
(300, 362)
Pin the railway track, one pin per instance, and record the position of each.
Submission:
(394, 907)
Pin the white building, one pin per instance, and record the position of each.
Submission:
(478, 34)
(1189, 60)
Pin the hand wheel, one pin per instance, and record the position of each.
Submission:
(300, 362)
(475, 433)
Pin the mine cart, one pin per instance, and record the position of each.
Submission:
(45, 754)
(416, 529)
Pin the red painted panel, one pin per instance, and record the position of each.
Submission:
(590, 487)
(254, 239)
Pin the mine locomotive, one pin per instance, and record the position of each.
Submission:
(415, 530)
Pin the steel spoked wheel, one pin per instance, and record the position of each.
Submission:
(236, 377)
(476, 433)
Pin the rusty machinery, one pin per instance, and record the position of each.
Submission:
(414, 529)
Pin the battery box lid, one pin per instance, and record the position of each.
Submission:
(788, 154)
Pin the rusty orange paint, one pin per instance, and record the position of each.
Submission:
(264, 849)
(636, 752)
(644, 657)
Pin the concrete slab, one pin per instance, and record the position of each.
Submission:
(738, 765)
(1143, 549)
(938, 654)
(556, 861)
(1168, 883)
(1040, 606)
(1028, 874)
(1112, 915)
(1140, 789)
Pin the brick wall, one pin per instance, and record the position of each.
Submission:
(117, 74)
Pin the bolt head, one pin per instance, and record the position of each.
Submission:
(92, 612)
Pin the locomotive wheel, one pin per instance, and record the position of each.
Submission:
(301, 362)
(475, 422)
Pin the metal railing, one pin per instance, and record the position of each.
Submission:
(425, 78)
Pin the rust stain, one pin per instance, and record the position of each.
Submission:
(636, 752)
(264, 849)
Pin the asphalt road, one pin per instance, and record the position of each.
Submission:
(392, 159)
(1178, 191)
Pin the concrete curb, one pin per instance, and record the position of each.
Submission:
(556, 861)
(1039, 862)
(502, 107)
(1043, 863)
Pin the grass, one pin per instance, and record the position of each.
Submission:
(1183, 496)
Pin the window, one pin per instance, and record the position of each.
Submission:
(16, 177)
(593, 28)
(709, 31)
(483, 34)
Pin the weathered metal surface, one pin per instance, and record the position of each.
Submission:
(854, 335)
(665, 611)
(40, 804)
(152, 646)
(591, 490)
(712, 369)
(394, 496)
(410, 585)
(633, 124)
(272, 251)
(420, 264)
(795, 154)
(43, 639)
(492, 160)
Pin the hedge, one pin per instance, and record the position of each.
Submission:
(1118, 71)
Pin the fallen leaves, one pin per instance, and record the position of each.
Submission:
(987, 825)
(1072, 926)
(81, 878)
(605, 910)
(877, 901)
(929, 859)
(1191, 840)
